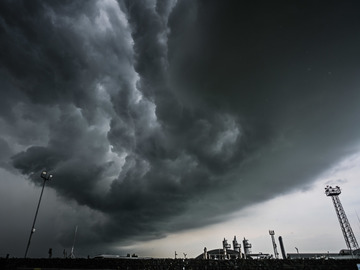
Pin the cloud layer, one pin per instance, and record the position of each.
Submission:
(162, 116)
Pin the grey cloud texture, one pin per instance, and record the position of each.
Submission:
(161, 116)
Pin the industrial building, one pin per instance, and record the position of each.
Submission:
(226, 253)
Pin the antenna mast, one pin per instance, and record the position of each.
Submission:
(349, 236)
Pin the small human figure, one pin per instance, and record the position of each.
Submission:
(50, 253)
(65, 253)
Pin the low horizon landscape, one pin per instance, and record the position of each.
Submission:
(171, 125)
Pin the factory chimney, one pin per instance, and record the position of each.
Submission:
(282, 248)
(226, 246)
(237, 246)
(247, 247)
(205, 256)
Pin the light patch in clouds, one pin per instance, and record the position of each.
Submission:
(226, 139)
(110, 6)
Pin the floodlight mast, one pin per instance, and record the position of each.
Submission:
(44, 175)
(276, 253)
(344, 222)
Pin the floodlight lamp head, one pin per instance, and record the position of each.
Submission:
(330, 191)
(43, 175)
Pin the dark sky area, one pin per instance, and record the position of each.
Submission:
(161, 116)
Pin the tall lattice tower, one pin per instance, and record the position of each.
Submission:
(276, 253)
(344, 222)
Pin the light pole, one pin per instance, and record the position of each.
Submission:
(44, 175)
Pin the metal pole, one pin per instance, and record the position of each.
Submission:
(33, 225)
(72, 256)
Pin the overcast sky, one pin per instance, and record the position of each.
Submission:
(169, 125)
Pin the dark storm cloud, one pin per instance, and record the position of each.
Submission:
(288, 71)
(165, 115)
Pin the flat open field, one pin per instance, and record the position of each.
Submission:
(16, 263)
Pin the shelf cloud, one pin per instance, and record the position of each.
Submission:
(163, 116)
